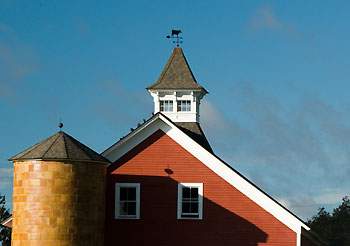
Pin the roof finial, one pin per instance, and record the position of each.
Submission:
(175, 34)
(60, 125)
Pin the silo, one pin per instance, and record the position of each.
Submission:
(58, 194)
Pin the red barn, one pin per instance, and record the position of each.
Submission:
(166, 186)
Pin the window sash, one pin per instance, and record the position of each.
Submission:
(190, 206)
(127, 200)
(166, 106)
(184, 106)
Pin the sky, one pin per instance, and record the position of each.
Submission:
(277, 72)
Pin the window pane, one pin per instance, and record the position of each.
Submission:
(194, 207)
(186, 207)
(131, 208)
(186, 192)
(188, 106)
(170, 106)
(166, 105)
(190, 216)
(184, 105)
(132, 194)
(123, 208)
(123, 193)
(194, 193)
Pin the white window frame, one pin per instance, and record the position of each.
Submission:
(187, 103)
(200, 200)
(117, 200)
(166, 102)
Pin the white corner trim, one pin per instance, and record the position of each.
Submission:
(117, 196)
(208, 159)
(299, 239)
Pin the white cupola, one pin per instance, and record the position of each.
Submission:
(176, 93)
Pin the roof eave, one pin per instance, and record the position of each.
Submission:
(59, 160)
(151, 89)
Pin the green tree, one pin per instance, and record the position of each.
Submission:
(5, 233)
(335, 227)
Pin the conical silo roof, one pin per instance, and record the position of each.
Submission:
(60, 146)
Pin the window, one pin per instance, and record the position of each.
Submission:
(184, 105)
(127, 201)
(166, 106)
(190, 201)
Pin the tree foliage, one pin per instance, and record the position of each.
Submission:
(5, 233)
(335, 227)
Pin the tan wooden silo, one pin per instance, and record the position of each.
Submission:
(58, 194)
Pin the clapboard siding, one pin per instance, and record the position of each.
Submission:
(229, 217)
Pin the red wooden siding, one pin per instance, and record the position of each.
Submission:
(229, 217)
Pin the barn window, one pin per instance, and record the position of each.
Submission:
(127, 201)
(190, 201)
(166, 106)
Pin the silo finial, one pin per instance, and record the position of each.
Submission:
(60, 125)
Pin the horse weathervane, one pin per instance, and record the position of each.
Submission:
(175, 35)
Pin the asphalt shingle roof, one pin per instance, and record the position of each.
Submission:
(176, 74)
(194, 131)
(60, 146)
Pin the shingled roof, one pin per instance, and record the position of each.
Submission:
(176, 74)
(194, 131)
(60, 146)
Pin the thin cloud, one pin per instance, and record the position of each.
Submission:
(17, 60)
(6, 176)
(284, 147)
(265, 19)
(331, 196)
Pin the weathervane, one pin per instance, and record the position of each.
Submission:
(175, 35)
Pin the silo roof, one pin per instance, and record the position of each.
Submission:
(60, 146)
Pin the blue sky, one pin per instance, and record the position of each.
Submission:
(277, 73)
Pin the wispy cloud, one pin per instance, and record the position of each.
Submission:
(298, 151)
(6, 176)
(266, 19)
(17, 60)
(112, 108)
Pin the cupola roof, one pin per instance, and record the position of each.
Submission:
(60, 146)
(176, 74)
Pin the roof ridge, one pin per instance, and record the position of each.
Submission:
(65, 144)
(55, 148)
(188, 65)
(51, 144)
(177, 74)
(167, 66)
(31, 148)
(81, 146)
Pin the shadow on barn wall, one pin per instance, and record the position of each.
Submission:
(158, 223)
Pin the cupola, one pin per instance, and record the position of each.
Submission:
(176, 93)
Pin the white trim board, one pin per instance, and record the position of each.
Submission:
(160, 122)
